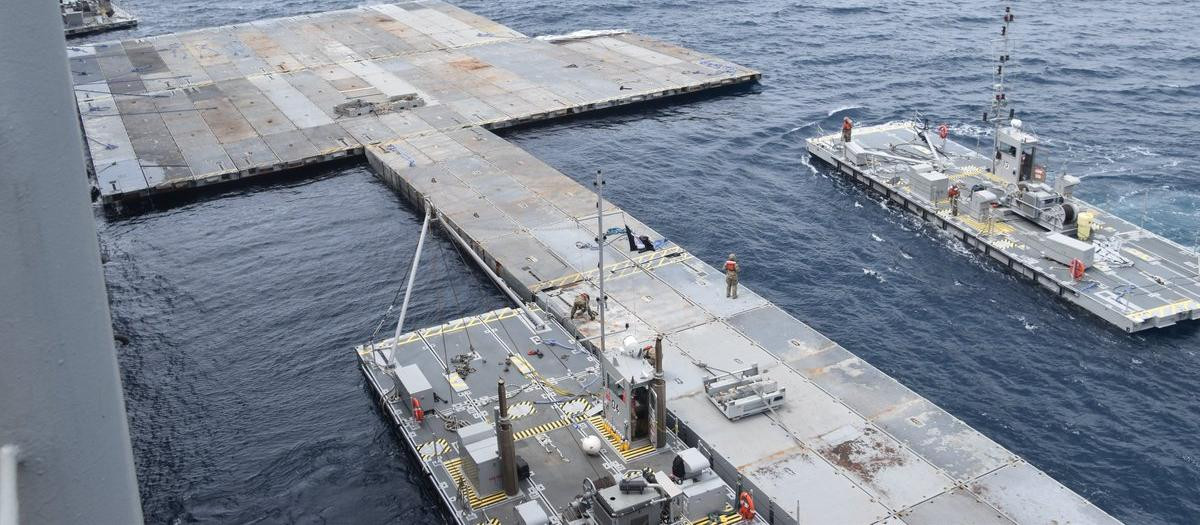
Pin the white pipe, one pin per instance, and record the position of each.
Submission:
(9, 513)
(412, 276)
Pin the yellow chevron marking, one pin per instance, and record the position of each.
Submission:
(545, 427)
(454, 468)
(1138, 253)
(1164, 310)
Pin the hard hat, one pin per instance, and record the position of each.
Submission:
(732, 257)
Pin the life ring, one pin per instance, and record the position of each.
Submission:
(943, 132)
(1077, 269)
(746, 506)
(418, 414)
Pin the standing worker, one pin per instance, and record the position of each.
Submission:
(953, 194)
(582, 305)
(731, 276)
(847, 125)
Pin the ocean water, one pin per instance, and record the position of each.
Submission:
(240, 308)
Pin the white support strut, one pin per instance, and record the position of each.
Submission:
(412, 276)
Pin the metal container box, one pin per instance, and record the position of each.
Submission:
(1063, 249)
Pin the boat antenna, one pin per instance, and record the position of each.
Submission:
(1001, 112)
(999, 97)
(600, 237)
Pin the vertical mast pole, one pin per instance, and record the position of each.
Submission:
(600, 244)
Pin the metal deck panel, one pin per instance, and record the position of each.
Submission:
(330, 138)
(566, 236)
(703, 285)
(893, 474)
(256, 107)
(319, 92)
(291, 146)
(943, 440)
(805, 484)
(962, 505)
(655, 303)
(1027, 495)
(527, 260)
(250, 153)
(485, 222)
(224, 120)
(366, 129)
(295, 106)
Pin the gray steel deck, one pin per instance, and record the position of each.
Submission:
(173, 112)
(851, 445)
(546, 432)
(1140, 280)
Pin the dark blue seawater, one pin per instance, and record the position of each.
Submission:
(240, 309)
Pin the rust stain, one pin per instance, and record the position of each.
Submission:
(864, 457)
(771, 459)
(470, 64)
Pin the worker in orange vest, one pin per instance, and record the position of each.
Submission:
(731, 276)
(847, 125)
(953, 194)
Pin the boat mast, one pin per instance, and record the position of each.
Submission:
(1000, 105)
(600, 237)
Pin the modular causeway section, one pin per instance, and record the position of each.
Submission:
(180, 111)
(849, 445)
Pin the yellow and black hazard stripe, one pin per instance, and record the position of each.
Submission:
(431, 449)
(546, 427)
(724, 518)
(617, 441)
(454, 468)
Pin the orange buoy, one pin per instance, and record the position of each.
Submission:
(746, 506)
(1077, 269)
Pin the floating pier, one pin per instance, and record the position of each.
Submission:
(848, 445)
(1134, 279)
(84, 17)
(416, 87)
(174, 112)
